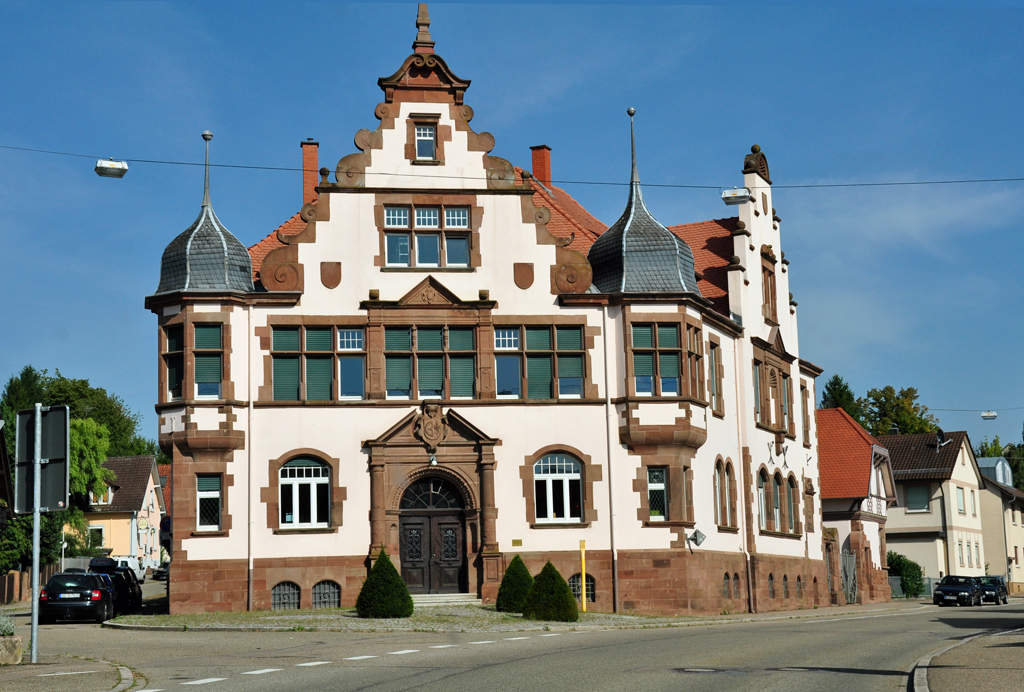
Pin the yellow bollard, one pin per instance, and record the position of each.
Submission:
(583, 574)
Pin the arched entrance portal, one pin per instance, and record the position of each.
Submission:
(432, 529)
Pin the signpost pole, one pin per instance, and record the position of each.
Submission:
(37, 471)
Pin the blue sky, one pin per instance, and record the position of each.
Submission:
(909, 286)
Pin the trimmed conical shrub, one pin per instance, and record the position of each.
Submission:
(515, 587)
(384, 594)
(551, 598)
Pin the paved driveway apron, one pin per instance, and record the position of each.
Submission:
(849, 652)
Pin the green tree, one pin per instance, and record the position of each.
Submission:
(908, 571)
(883, 408)
(515, 587)
(837, 394)
(384, 593)
(551, 598)
(22, 391)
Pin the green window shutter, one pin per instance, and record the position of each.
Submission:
(318, 339)
(208, 368)
(569, 338)
(397, 339)
(318, 378)
(207, 336)
(175, 339)
(175, 371)
(430, 372)
(538, 377)
(286, 338)
(208, 483)
(570, 366)
(462, 373)
(642, 336)
(668, 336)
(286, 378)
(668, 365)
(429, 339)
(643, 364)
(460, 339)
(398, 371)
(538, 339)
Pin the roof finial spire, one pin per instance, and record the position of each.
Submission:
(634, 181)
(207, 135)
(423, 42)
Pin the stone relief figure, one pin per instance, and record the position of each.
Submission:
(432, 427)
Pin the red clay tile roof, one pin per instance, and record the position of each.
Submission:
(260, 250)
(712, 246)
(165, 472)
(914, 457)
(568, 217)
(131, 478)
(844, 455)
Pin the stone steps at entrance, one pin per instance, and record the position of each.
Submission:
(428, 600)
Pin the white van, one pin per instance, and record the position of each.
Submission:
(133, 564)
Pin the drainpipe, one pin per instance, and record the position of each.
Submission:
(608, 451)
(945, 532)
(741, 437)
(248, 460)
(1006, 544)
(133, 549)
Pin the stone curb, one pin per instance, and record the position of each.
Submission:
(556, 628)
(919, 677)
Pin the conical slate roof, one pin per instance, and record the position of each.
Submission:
(639, 255)
(206, 257)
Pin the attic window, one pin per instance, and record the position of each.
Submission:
(425, 138)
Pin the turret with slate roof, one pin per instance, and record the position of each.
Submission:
(206, 257)
(638, 254)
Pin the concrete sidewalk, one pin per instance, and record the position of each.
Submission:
(993, 663)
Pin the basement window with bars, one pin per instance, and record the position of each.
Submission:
(208, 496)
(326, 594)
(554, 360)
(430, 362)
(209, 356)
(285, 596)
(576, 584)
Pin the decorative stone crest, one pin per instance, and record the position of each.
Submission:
(431, 427)
(755, 162)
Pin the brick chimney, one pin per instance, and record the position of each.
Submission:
(542, 164)
(309, 170)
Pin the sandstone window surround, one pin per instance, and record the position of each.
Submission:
(665, 355)
(541, 361)
(425, 139)
(778, 504)
(195, 356)
(676, 479)
(806, 413)
(428, 233)
(430, 362)
(589, 473)
(716, 376)
(773, 394)
(209, 502)
(725, 495)
(294, 469)
(769, 308)
(558, 489)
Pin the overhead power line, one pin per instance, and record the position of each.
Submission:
(977, 410)
(895, 183)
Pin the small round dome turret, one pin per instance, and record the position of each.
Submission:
(206, 257)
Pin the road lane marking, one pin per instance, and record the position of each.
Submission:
(403, 651)
(483, 642)
(556, 634)
(203, 681)
(443, 646)
(512, 639)
(357, 658)
(261, 672)
(313, 663)
(77, 672)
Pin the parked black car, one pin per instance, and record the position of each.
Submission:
(993, 589)
(111, 589)
(160, 573)
(75, 597)
(124, 580)
(957, 591)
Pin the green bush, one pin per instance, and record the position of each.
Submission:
(515, 587)
(6, 626)
(551, 598)
(908, 571)
(384, 594)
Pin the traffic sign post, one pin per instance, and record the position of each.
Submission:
(42, 431)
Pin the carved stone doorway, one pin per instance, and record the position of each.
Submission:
(432, 530)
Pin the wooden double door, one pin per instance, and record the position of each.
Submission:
(433, 551)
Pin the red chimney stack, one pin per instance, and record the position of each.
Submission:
(309, 170)
(542, 164)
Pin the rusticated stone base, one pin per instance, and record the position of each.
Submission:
(347, 572)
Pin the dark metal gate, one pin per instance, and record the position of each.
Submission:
(849, 574)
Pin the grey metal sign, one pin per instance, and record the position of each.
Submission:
(55, 452)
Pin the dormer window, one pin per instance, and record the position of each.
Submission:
(102, 499)
(425, 138)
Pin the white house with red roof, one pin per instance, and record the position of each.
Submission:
(857, 490)
(444, 356)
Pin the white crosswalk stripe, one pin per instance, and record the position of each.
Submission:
(312, 663)
(262, 671)
(204, 681)
(513, 639)
(403, 651)
(444, 646)
(358, 658)
(484, 642)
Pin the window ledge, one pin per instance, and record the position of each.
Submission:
(807, 445)
(728, 529)
(567, 525)
(768, 428)
(326, 529)
(427, 162)
(205, 534)
(780, 534)
(676, 524)
(718, 414)
(464, 270)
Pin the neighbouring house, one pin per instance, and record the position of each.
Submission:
(996, 468)
(164, 471)
(857, 490)
(1002, 518)
(445, 356)
(125, 520)
(937, 522)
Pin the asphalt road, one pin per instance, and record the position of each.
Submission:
(821, 654)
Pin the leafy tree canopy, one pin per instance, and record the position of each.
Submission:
(883, 408)
(1013, 453)
(837, 394)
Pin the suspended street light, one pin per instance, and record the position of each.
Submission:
(111, 168)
